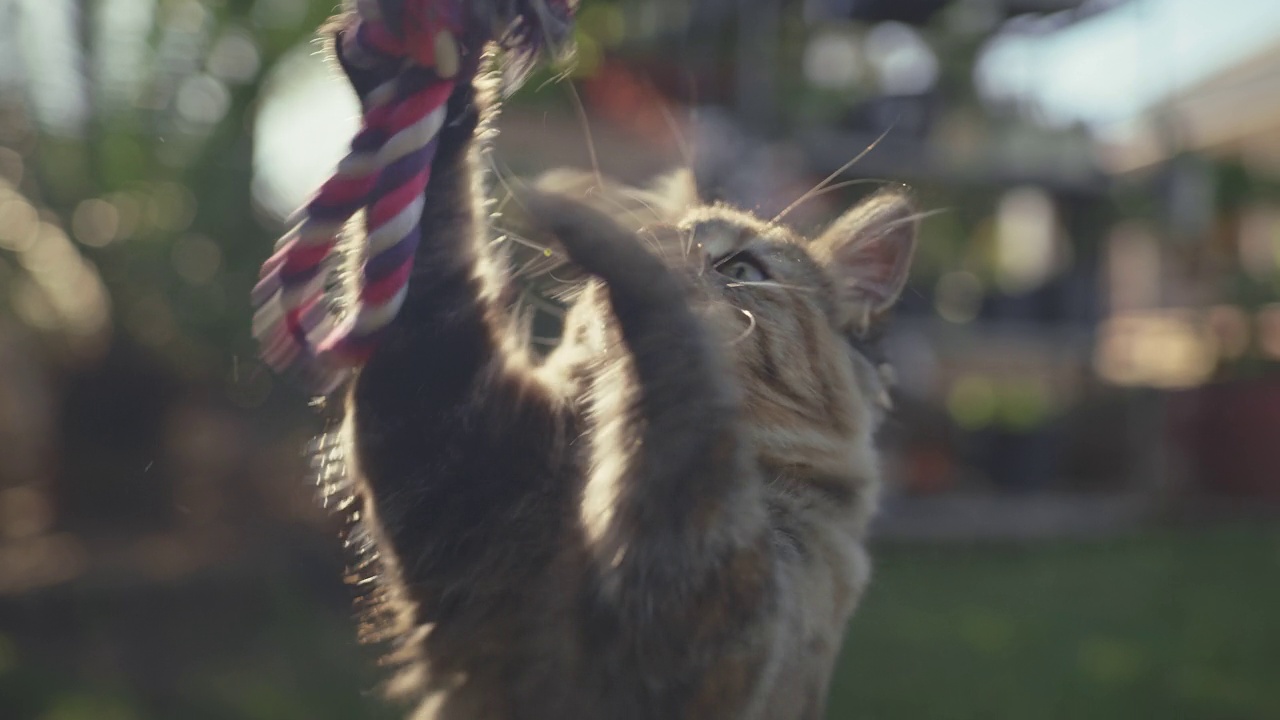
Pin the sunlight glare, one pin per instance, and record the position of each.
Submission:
(307, 119)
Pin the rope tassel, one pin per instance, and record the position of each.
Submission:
(404, 57)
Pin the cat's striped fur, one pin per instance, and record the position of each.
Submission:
(664, 518)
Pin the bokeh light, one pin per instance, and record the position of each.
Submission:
(1087, 350)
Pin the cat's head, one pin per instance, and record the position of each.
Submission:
(796, 315)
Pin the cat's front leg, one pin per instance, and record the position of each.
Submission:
(459, 447)
(673, 509)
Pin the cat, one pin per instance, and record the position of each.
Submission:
(664, 516)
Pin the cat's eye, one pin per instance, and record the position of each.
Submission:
(743, 267)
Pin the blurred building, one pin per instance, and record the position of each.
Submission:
(1090, 339)
(1071, 293)
(1073, 289)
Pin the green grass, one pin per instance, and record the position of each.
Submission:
(1161, 625)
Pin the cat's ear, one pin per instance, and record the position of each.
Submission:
(676, 192)
(868, 253)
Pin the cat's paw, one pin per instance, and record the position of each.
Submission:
(589, 237)
(626, 260)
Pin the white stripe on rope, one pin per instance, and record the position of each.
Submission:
(413, 137)
(293, 297)
(316, 232)
(382, 94)
(289, 236)
(358, 165)
(394, 230)
(269, 314)
(373, 317)
(323, 326)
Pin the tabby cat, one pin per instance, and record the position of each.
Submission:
(663, 518)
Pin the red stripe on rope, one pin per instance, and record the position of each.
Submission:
(387, 207)
(340, 190)
(417, 106)
(387, 51)
(383, 290)
(381, 38)
(273, 263)
(305, 257)
(293, 318)
(377, 116)
(281, 352)
(351, 351)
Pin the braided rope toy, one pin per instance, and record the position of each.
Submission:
(404, 58)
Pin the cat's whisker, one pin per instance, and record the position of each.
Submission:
(641, 222)
(915, 217)
(771, 284)
(838, 171)
(538, 264)
(682, 142)
(819, 192)
(501, 202)
(656, 244)
(581, 111)
(512, 235)
(651, 238)
(751, 327)
(505, 181)
(642, 229)
(542, 304)
(563, 281)
(560, 76)
(690, 246)
(501, 205)
(638, 197)
(889, 227)
(538, 267)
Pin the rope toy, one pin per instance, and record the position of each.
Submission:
(404, 58)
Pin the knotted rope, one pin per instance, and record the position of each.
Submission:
(404, 59)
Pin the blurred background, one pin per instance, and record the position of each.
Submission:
(1085, 457)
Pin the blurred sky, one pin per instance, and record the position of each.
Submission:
(1111, 67)
(1104, 71)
